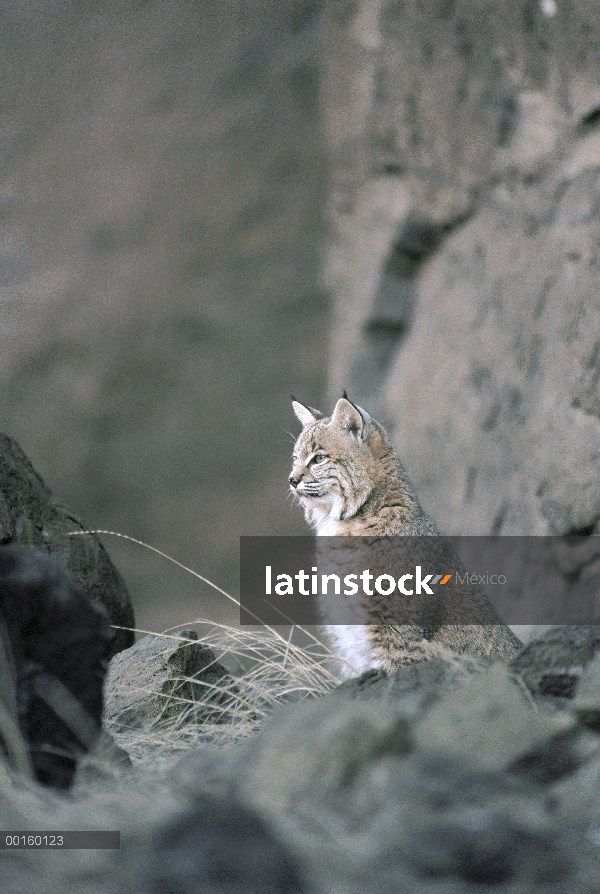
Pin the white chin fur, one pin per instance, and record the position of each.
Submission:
(323, 514)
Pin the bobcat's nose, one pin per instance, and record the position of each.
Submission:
(294, 482)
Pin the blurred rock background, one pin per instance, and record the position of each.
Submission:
(206, 206)
(161, 199)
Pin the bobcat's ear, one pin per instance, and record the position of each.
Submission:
(350, 418)
(305, 414)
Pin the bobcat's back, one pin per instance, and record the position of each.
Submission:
(350, 482)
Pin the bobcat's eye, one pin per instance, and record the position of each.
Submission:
(319, 458)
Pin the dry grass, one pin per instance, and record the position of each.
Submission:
(273, 670)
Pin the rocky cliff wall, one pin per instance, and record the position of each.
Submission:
(464, 260)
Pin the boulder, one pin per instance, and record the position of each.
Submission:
(375, 797)
(552, 665)
(32, 517)
(167, 680)
(221, 847)
(416, 687)
(56, 643)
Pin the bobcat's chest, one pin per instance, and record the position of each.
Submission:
(329, 527)
(353, 648)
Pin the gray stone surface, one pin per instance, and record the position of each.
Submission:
(32, 517)
(221, 848)
(166, 680)
(463, 261)
(552, 665)
(374, 799)
(416, 687)
(442, 777)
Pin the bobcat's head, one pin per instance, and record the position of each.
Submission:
(336, 460)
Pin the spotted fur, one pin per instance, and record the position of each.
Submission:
(349, 481)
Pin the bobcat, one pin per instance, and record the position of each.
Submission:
(350, 482)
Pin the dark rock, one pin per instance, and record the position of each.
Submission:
(221, 848)
(555, 757)
(32, 517)
(478, 836)
(60, 643)
(552, 665)
(586, 703)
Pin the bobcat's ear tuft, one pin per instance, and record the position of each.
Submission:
(306, 415)
(363, 413)
(350, 418)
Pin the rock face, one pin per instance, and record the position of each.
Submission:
(29, 515)
(464, 259)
